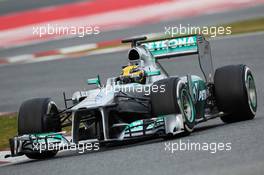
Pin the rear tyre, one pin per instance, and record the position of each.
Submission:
(38, 115)
(235, 93)
(174, 98)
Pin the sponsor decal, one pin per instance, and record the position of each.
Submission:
(171, 43)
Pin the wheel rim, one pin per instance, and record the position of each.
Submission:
(251, 91)
(187, 105)
(51, 109)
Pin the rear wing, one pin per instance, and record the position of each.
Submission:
(182, 46)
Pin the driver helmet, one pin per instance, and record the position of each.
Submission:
(133, 73)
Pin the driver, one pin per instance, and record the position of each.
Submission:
(132, 73)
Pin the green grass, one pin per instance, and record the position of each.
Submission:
(237, 27)
(247, 26)
(8, 129)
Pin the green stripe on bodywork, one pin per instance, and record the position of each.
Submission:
(51, 137)
(138, 125)
(93, 81)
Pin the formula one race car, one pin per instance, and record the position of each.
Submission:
(143, 101)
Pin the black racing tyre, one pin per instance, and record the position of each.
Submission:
(235, 93)
(38, 115)
(43, 155)
(173, 98)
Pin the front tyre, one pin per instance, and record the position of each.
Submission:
(43, 155)
(174, 99)
(235, 92)
(38, 115)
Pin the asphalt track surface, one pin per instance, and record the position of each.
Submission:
(245, 158)
(11, 6)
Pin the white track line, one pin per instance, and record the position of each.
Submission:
(20, 58)
(79, 48)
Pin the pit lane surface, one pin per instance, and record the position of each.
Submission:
(19, 82)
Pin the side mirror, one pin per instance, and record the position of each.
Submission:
(153, 73)
(95, 81)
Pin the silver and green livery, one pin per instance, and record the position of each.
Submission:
(162, 106)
